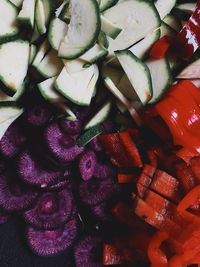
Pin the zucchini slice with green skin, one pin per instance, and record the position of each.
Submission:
(50, 65)
(114, 73)
(33, 52)
(8, 26)
(164, 7)
(57, 30)
(187, 7)
(17, 3)
(161, 77)
(100, 117)
(9, 112)
(105, 4)
(42, 51)
(109, 28)
(83, 30)
(42, 15)
(173, 22)
(87, 137)
(27, 14)
(73, 66)
(60, 8)
(129, 16)
(103, 40)
(36, 34)
(14, 61)
(75, 86)
(165, 29)
(138, 74)
(94, 54)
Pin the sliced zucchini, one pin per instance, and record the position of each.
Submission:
(74, 86)
(17, 3)
(83, 29)
(187, 7)
(42, 51)
(14, 58)
(105, 4)
(87, 137)
(65, 13)
(100, 117)
(27, 13)
(173, 22)
(94, 54)
(129, 16)
(113, 73)
(66, 110)
(57, 31)
(8, 114)
(166, 30)
(138, 74)
(32, 54)
(164, 7)
(60, 8)
(50, 65)
(192, 71)
(161, 77)
(36, 34)
(73, 66)
(8, 24)
(109, 28)
(103, 40)
(42, 15)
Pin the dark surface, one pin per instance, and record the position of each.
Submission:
(15, 253)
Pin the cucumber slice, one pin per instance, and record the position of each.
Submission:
(192, 71)
(105, 4)
(27, 13)
(17, 3)
(57, 30)
(32, 54)
(187, 7)
(173, 22)
(47, 90)
(14, 58)
(109, 28)
(94, 54)
(8, 114)
(100, 117)
(164, 7)
(83, 29)
(43, 49)
(87, 137)
(73, 66)
(140, 78)
(103, 40)
(42, 15)
(131, 21)
(8, 25)
(161, 77)
(50, 65)
(74, 86)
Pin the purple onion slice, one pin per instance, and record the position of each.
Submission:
(51, 210)
(39, 115)
(70, 127)
(32, 173)
(96, 191)
(14, 196)
(52, 242)
(61, 145)
(104, 170)
(87, 165)
(88, 252)
(61, 183)
(101, 212)
(12, 141)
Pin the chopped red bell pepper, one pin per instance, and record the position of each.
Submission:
(111, 256)
(149, 170)
(160, 47)
(143, 183)
(195, 166)
(124, 178)
(192, 198)
(153, 159)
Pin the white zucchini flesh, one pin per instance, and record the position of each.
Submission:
(192, 71)
(161, 77)
(32, 54)
(83, 29)
(8, 24)
(187, 7)
(74, 86)
(42, 51)
(14, 59)
(105, 4)
(60, 8)
(164, 7)
(73, 66)
(42, 15)
(173, 22)
(17, 3)
(101, 115)
(50, 65)
(57, 31)
(93, 54)
(109, 28)
(138, 74)
(27, 13)
(166, 30)
(131, 21)
(8, 114)
(36, 34)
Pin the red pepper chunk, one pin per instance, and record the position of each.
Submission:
(160, 47)
(111, 255)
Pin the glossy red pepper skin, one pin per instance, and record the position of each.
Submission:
(160, 47)
(188, 39)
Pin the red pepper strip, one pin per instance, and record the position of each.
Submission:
(152, 158)
(195, 166)
(160, 47)
(156, 256)
(166, 185)
(187, 154)
(111, 255)
(124, 178)
(142, 184)
(131, 148)
(175, 246)
(188, 40)
(149, 170)
(190, 199)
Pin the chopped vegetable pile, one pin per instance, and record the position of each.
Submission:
(99, 129)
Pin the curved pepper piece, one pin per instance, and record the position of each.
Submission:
(190, 199)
